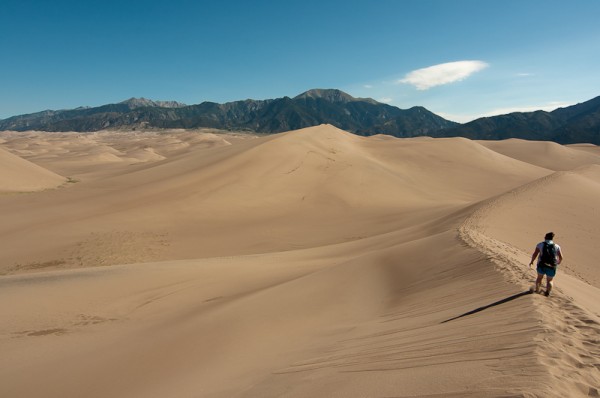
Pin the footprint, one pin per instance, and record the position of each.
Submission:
(43, 332)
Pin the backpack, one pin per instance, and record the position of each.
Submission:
(548, 257)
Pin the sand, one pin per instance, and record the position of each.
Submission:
(313, 263)
(20, 175)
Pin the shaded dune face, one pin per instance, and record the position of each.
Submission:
(308, 263)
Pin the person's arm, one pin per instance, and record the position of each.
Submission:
(560, 256)
(534, 255)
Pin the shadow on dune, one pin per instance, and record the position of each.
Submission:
(485, 307)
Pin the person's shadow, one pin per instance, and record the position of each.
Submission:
(485, 307)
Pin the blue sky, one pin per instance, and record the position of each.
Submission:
(459, 59)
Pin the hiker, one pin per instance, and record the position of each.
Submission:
(550, 257)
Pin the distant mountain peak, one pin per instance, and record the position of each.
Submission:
(143, 102)
(331, 95)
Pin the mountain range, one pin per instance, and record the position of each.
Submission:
(363, 116)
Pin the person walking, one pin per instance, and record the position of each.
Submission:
(550, 257)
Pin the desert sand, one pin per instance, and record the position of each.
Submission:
(19, 175)
(312, 263)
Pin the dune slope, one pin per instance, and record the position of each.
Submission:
(546, 154)
(376, 316)
(20, 175)
(564, 202)
(309, 263)
(293, 190)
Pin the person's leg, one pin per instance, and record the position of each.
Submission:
(538, 282)
(548, 285)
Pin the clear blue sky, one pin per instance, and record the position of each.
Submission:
(459, 59)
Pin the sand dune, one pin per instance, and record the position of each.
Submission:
(91, 156)
(591, 148)
(310, 263)
(261, 195)
(549, 155)
(504, 228)
(19, 175)
(563, 202)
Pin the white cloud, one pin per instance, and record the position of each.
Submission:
(524, 74)
(437, 75)
(368, 86)
(385, 100)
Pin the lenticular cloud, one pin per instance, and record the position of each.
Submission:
(441, 74)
